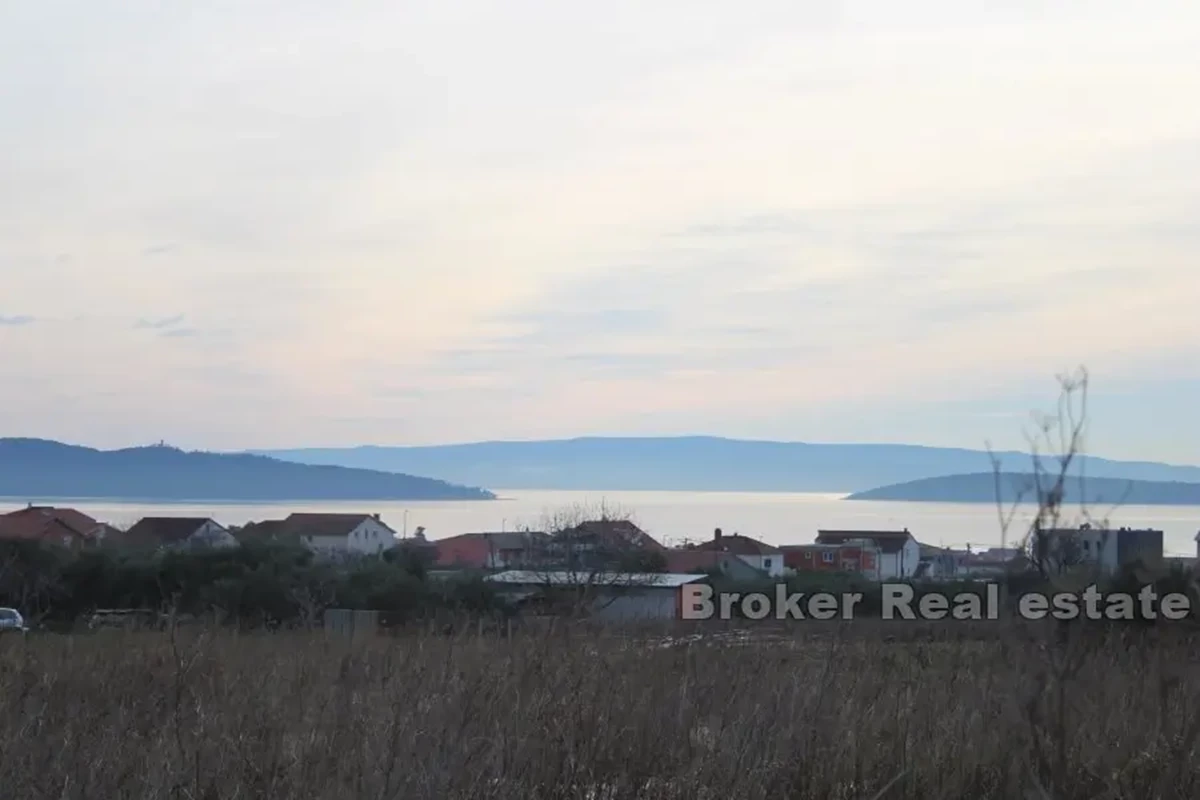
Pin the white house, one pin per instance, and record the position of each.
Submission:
(899, 552)
(760, 555)
(941, 563)
(180, 533)
(349, 534)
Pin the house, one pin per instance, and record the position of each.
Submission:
(604, 544)
(693, 560)
(176, 533)
(856, 556)
(1108, 550)
(345, 534)
(1184, 563)
(61, 526)
(491, 550)
(612, 534)
(267, 530)
(1002, 553)
(941, 563)
(760, 555)
(899, 552)
(611, 597)
(993, 562)
(327, 534)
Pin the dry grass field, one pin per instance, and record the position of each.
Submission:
(196, 714)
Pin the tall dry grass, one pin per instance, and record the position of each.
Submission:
(818, 715)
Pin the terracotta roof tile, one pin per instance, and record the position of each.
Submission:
(326, 524)
(615, 533)
(47, 522)
(740, 545)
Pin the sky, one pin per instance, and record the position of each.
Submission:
(236, 225)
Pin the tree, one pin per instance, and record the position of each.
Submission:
(31, 575)
(592, 557)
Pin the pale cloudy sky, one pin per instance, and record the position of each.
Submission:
(253, 224)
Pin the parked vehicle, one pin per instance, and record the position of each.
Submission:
(11, 621)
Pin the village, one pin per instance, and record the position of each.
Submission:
(610, 556)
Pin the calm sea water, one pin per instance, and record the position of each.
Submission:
(673, 516)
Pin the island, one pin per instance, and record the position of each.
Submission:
(695, 464)
(42, 470)
(1011, 487)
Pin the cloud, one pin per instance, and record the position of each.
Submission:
(16, 320)
(160, 323)
(803, 221)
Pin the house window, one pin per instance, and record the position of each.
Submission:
(827, 557)
(808, 556)
(766, 563)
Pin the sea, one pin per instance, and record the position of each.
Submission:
(675, 517)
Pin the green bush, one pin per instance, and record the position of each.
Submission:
(258, 584)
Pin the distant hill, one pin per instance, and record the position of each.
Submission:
(693, 463)
(36, 469)
(980, 487)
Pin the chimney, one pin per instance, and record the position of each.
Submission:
(376, 516)
(717, 536)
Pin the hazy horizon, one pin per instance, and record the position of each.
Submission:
(384, 446)
(284, 225)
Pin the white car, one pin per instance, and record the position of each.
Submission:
(12, 621)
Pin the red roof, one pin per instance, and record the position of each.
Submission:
(614, 533)
(476, 549)
(300, 524)
(46, 522)
(739, 545)
(164, 530)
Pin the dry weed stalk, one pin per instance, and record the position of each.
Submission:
(300, 715)
(1062, 664)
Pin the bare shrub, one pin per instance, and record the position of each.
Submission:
(1063, 662)
(592, 556)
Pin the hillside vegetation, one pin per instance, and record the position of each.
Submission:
(39, 469)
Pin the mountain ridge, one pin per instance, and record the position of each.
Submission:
(695, 463)
(45, 468)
